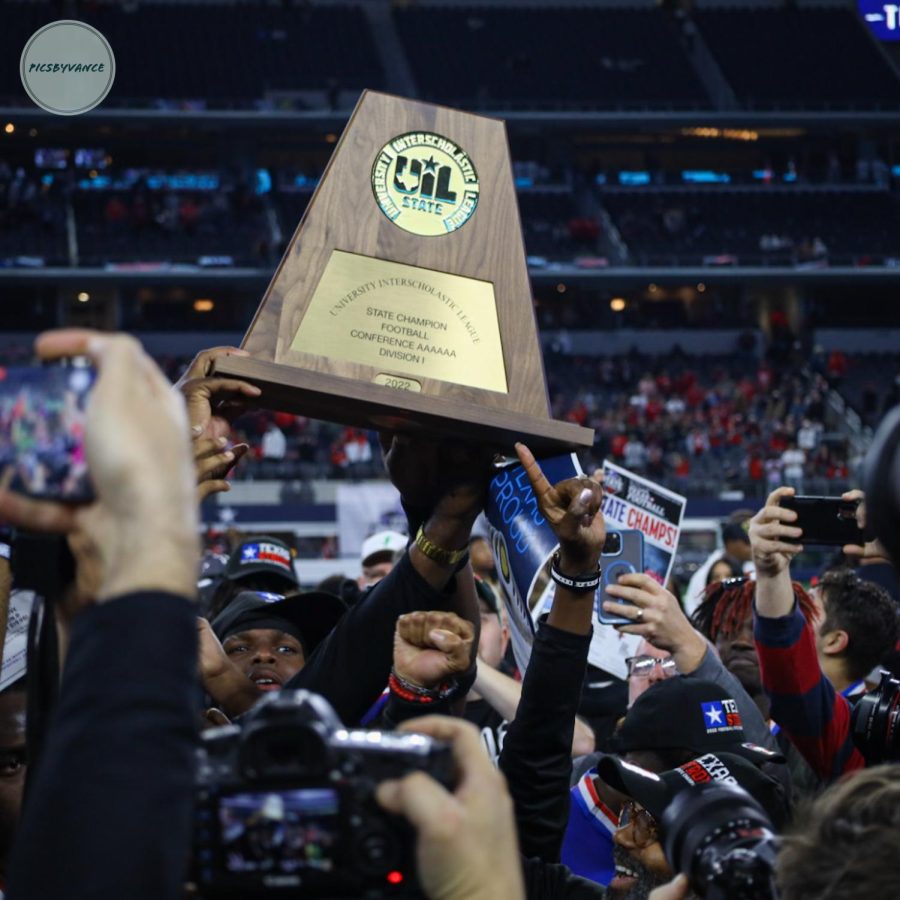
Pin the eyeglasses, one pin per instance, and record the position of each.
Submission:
(642, 666)
(644, 828)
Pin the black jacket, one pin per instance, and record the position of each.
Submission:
(350, 668)
(536, 760)
(108, 815)
(537, 752)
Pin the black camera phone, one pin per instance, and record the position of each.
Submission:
(828, 521)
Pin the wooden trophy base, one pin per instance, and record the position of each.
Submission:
(351, 402)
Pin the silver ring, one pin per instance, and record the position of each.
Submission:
(639, 616)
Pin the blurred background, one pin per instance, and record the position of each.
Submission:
(708, 193)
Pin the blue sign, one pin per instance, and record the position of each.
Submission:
(882, 18)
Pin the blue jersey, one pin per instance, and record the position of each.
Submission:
(588, 845)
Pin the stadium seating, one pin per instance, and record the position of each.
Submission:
(704, 424)
(32, 221)
(160, 236)
(686, 227)
(561, 57)
(799, 58)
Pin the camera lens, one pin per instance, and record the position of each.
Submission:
(876, 722)
(612, 546)
(721, 838)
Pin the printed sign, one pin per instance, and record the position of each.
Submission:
(523, 542)
(633, 502)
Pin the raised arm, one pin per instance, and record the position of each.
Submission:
(446, 487)
(664, 625)
(111, 798)
(802, 700)
(536, 753)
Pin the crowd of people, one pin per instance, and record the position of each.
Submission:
(704, 425)
(754, 745)
(700, 424)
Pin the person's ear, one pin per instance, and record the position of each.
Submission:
(504, 638)
(835, 642)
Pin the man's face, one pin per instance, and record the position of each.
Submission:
(638, 683)
(12, 767)
(266, 656)
(494, 637)
(640, 862)
(374, 571)
(738, 655)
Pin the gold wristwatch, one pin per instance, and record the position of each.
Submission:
(439, 554)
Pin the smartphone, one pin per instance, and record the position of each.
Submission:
(623, 552)
(829, 521)
(42, 420)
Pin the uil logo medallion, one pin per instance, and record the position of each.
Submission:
(425, 184)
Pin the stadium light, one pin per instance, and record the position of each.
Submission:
(83, 296)
(9, 128)
(203, 305)
(617, 304)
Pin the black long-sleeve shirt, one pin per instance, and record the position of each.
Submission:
(350, 668)
(108, 812)
(537, 752)
(536, 760)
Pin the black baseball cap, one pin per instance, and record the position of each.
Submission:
(736, 531)
(212, 571)
(687, 712)
(309, 616)
(656, 792)
(262, 555)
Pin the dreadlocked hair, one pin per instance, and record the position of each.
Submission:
(726, 605)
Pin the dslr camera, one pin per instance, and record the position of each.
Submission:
(876, 722)
(285, 801)
(722, 839)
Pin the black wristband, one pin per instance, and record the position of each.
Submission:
(586, 583)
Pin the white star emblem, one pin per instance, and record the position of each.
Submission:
(249, 553)
(714, 715)
(227, 514)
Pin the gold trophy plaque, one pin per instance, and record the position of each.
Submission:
(403, 300)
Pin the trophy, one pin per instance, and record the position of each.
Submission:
(403, 300)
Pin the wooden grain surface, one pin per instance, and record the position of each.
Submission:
(338, 399)
(344, 215)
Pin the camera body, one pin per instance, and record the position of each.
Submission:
(876, 722)
(285, 801)
(722, 839)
